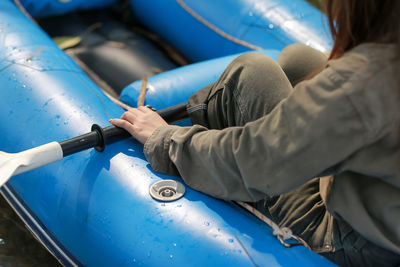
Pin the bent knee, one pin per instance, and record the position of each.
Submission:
(301, 53)
(299, 60)
(254, 60)
(260, 73)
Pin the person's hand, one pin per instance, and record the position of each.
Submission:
(140, 122)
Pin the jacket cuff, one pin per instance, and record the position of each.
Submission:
(156, 150)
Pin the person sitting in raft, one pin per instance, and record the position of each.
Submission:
(321, 155)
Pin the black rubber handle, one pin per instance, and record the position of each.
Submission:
(100, 137)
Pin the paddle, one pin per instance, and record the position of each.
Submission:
(15, 163)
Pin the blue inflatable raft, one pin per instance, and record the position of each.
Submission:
(209, 29)
(94, 208)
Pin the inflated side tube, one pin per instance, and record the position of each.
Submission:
(46, 8)
(208, 28)
(176, 86)
(94, 209)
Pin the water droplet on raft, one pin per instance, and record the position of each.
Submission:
(231, 240)
(174, 244)
(24, 86)
(271, 26)
(171, 256)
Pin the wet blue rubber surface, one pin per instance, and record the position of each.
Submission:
(45, 8)
(97, 205)
(208, 29)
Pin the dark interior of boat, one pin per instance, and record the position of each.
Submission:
(111, 47)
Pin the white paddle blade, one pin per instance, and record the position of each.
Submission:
(8, 165)
(13, 164)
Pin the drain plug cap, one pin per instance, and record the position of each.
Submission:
(167, 190)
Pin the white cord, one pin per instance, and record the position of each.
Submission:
(282, 234)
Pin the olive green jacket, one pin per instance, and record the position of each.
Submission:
(344, 122)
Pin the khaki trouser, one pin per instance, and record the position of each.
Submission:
(250, 87)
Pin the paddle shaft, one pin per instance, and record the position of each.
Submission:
(100, 137)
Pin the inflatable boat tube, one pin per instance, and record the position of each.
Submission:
(208, 29)
(46, 8)
(176, 86)
(92, 208)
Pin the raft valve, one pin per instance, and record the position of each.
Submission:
(167, 190)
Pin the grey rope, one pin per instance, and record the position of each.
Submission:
(216, 29)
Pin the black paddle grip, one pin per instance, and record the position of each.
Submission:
(100, 137)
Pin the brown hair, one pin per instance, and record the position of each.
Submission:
(353, 22)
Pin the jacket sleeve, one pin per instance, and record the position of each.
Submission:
(310, 132)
